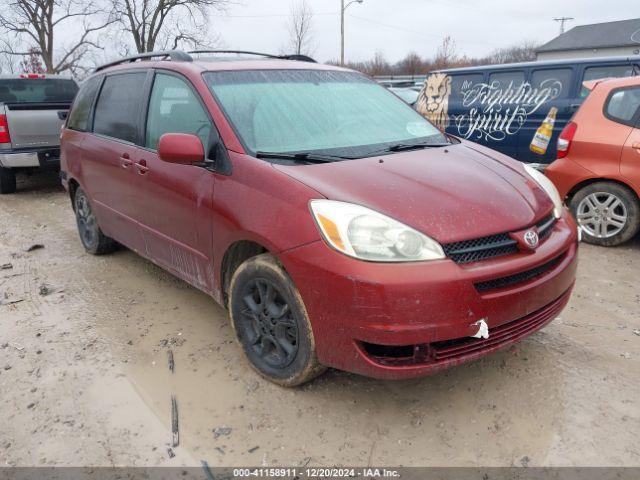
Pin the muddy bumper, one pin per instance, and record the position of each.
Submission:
(397, 321)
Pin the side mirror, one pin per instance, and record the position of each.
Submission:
(181, 148)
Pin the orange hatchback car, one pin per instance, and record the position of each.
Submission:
(598, 165)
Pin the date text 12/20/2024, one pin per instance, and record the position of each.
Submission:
(324, 473)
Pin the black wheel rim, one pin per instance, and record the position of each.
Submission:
(269, 328)
(86, 221)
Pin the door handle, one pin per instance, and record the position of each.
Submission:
(126, 161)
(636, 146)
(141, 167)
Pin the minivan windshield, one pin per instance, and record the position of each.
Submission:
(39, 90)
(343, 114)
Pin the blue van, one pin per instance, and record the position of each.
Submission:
(504, 106)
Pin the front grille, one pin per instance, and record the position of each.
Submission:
(520, 277)
(483, 248)
(545, 227)
(508, 332)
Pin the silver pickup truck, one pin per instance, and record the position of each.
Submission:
(33, 108)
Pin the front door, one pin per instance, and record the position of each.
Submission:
(174, 201)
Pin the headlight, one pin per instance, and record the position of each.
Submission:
(368, 235)
(548, 187)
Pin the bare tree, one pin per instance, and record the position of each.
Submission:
(32, 63)
(163, 24)
(446, 54)
(378, 65)
(446, 57)
(301, 29)
(8, 62)
(35, 25)
(523, 52)
(412, 64)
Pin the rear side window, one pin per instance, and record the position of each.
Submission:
(556, 80)
(174, 108)
(605, 71)
(462, 83)
(505, 80)
(622, 105)
(79, 116)
(37, 90)
(119, 105)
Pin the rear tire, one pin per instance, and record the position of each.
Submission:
(7, 181)
(271, 323)
(93, 240)
(608, 213)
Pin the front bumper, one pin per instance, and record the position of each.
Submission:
(43, 158)
(360, 310)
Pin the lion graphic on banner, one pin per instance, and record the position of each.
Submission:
(433, 101)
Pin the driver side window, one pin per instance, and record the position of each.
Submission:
(174, 108)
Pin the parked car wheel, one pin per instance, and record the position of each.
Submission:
(7, 181)
(271, 323)
(608, 213)
(94, 241)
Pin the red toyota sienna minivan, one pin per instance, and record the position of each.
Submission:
(338, 226)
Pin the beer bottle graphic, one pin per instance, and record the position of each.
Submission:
(543, 135)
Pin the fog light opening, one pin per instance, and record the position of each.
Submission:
(396, 354)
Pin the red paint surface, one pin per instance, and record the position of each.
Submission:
(184, 218)
(180, 148)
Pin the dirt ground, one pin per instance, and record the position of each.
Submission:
(84, 377)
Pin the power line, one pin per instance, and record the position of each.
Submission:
(467, 7)
(562, 21)
(270, 15)
(414, 32)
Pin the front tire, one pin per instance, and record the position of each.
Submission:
(271, 323)
(7, 181)
(607, 212)
(93, 240)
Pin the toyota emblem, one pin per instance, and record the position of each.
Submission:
(531, 239)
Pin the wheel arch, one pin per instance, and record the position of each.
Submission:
(73, 188)
(236, 254)
(589, 181)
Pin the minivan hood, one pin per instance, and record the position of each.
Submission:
(451, 194)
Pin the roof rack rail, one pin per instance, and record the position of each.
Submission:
(300, 58)
(173, 55)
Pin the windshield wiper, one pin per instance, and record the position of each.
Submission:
(402, 147)
(405, 147)
(310, 157)
(301, 157)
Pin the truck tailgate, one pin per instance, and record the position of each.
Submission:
(35, 125)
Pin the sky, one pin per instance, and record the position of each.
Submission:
(401, 26)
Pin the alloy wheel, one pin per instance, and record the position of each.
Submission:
(602, 214)
(86, 221)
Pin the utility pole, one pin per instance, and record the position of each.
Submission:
(562, 21)
(343, 8)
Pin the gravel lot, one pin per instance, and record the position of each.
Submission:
(84, 375)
